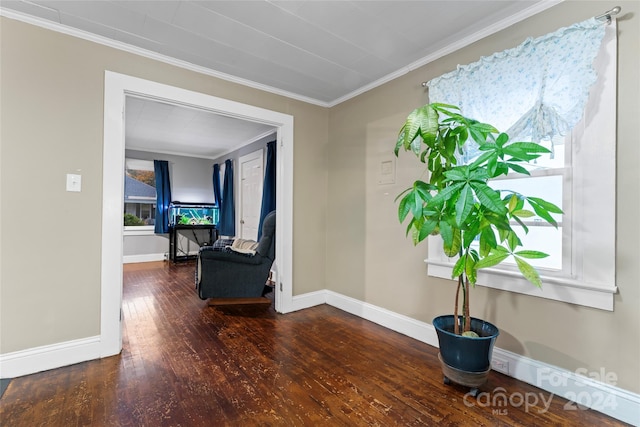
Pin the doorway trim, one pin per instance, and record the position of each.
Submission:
(116, 88)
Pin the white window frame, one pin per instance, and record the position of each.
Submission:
(589, 239)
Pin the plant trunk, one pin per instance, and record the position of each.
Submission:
(456, 326)
(467, 317)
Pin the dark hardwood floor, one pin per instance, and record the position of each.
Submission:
(187, 364)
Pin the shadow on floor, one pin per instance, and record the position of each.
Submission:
(3, 385)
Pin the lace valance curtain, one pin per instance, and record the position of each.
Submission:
(532, 92)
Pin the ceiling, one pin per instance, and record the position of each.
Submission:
(322, 52)
(175, 129)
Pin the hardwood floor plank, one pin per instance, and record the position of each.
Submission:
(185, 363)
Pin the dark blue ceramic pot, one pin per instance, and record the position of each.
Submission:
(466, 353)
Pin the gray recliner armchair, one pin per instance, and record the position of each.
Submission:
(228, 274)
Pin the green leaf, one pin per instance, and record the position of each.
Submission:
(471, 270)
(484, 127)
(546, 205)
(524, 151)
(464, 204)
(528, 147)
(459, 173)
(517, 168)
(522, 224)
(513, 202)
(502, 139)
(488, 146)
(402, 193)
(458, 268)
(409, 227)
(450, 142)
(523, 213)
(479, 174)
(529, 272)
(444, 108)
(452, 249)
(531, 254)
(542, 212)
(428, 120)
(484, 158)
(464, 135)
(417, 204)
(471, 232)
(405, 206)
(478, 136)
(446, 194)
(410, 129)
(400, 141)
(489, 198)
(424, 189)
(513, 240)
(416, 145)
(446, 231)
(501, 169)
(487, 241)
(426, 229)
(492, 165)
(499, 221)
(498, 255)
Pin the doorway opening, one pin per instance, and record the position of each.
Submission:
(117, 88)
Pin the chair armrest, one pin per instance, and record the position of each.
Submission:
(218, 256)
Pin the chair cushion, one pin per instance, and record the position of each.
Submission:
(244, 246)
(221, 243)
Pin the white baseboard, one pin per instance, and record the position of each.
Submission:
(311, 299)
(581, 390)
(38, 359)
(396, 322)
(129, 259)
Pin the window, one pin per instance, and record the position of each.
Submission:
(139, 195)
(580, 177)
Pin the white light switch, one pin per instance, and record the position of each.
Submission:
(74, 182)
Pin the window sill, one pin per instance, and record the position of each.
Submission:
(146, 230)
(598, 296)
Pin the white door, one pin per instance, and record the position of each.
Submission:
(251, 176)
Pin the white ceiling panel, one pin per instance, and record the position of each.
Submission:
(161, 10)
(174, 129)
(322, 52)
(281, 24)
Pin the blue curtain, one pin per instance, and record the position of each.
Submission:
(269, 186)
(217, 197)
(163, 195)
(227, 224)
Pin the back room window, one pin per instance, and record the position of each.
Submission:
(139, 193)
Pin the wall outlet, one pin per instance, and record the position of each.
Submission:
(74, 182)
(500, 365)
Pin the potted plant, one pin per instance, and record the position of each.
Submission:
(474, 220)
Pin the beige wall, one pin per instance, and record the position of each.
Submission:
(369, 258)
(52, 124)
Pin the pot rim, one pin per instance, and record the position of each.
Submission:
(489, 337)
